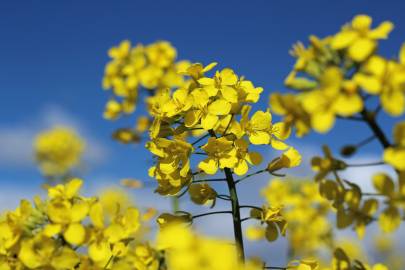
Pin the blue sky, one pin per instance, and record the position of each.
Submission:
(52, 56)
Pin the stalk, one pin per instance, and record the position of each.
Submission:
(237, 222)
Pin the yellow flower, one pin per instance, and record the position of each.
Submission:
(395, 155)
(112, 110)
(260, 130)
(323, 166)
(202, 194)
(335, 96)
(294, 114)
(204, 111)
(221, 154)
(184, 249)
(173, 160)
(197, 70)
(245, 157)
(359, 39)
(290, 158)
(161, 53)
(58, 150)
(224, 82)
(274, 220)
(386, 78)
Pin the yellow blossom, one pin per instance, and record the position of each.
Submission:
(58, 150)
(359, 39)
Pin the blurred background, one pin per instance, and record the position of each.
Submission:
(52, 57)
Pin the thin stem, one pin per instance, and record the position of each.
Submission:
(372, 194)
(200, 139)
(378, 109)
(183, 193)
(200, 153)
(246, 218)
(108, 262)
(223, 197)
(369, 118)
(367, 164)
(365, 141)
(211, 213)
(338, 179)
(210, 180)
(237, 223)
(251, 206)
(249, 175)
(275, 267)
(350, 118)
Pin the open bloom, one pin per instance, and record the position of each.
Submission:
(221, 154)
(359, 39)
(386, 78)
(260, 130)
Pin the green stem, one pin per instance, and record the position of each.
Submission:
(237, 222)
(377, 163)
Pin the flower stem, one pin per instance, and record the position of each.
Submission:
(237, 222)
(369, 118)
(377, 163)
(211, 213)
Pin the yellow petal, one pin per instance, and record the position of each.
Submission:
(382, 31)
(347, 105)
(343, 39)
(219, 107)
(209, 121)
(66, 258)
(322, 122)
(383, 184)
(100, 252)
(259, 137)
(75, 234)
(361, 22)
(96, 215)
(371, 84)
(209, 166)
(255, 158)
(72, 188)
(52, 229)
(241, 167)
(361, 49)
(395, 157)
(389, 220)
(278, 145)
(393, 102)
(228, 77)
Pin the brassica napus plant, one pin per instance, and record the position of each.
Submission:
(203, 128)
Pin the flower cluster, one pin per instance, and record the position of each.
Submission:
(309, 233)
(69, 231)
(151, 67)
(58, 151)
(334, 76)
(218, 107)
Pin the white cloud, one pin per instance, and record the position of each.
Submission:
(16, 140)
